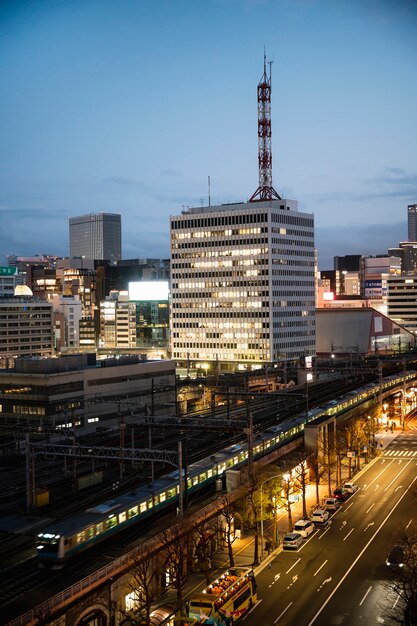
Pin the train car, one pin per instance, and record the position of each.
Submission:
(64, 539)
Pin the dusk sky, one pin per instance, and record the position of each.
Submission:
(128, 106)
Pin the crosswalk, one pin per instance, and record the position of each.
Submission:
(403, 453)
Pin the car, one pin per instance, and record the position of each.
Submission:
(341, 494)
(395, 559)
(351, 487)
(319, 516)
(331, 504)
(305, 527)
(292, 540)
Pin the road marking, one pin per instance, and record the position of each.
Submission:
(364, 597)
(294, 580)
(343, 525)
(399, 487)
(276, 578)
(284, 611)
(297, 561)
(408, 524)
(327, 530)
(384, 469)
(368, 526)
(348, 507)
(372, 505)
(351, 531)
(321, 567)
(332, 593)
(397, 476)
(327, 580)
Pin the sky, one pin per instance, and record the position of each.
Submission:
(129, 106)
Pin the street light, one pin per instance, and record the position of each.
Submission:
(262, 517)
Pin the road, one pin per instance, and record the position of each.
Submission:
(338, 576)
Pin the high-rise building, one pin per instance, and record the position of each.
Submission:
(412, 222)
(242, 284)
(96, 236)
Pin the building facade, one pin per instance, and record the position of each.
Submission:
(117, 321)
(412, 222)
(26, 328)
(96, 236)
(242, 284)
(402, 301)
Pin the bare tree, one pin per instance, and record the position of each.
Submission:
(203, 548)
(178, 544)
(143, 584)
(301, 475)
(228, 514)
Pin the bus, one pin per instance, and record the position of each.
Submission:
(225, 600)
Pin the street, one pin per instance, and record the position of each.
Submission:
(339, 576)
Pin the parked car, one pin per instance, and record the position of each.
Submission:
(292, 540)
(395, 558)
(319, 516)
(305, 527)
(331, 504)
(341, 494)
(351, 487)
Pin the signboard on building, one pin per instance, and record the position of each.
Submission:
(6, 270)
(149, 290)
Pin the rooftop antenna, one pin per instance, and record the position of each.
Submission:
(265, 190)
(209, 201)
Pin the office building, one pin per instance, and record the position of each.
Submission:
(117, 321)
(402, 301)
(96, 236)
(412, 222)
(242, 284)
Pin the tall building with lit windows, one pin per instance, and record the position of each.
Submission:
(412, 222)
(242, 284)
(96, 236)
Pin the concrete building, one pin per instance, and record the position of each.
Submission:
(402, 301)
(117, 321)
(9, 279)
(412, 222)
(376, 273)
(362, 331)
(67, 316)
(407, 252)
(26, 328)
(96, 236)
(79, 392)
(242, 284)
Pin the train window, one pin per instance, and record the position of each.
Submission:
(221, 467)
(195, 480)
(210, 473)
(171, 492)
(99, 528)
(142, 507)
(122, 517)
(81, 537)
(89, 533)
(162, 497)
(112, 521)
(202, 477)
(133, 511)
(189, 483)
(150, 503)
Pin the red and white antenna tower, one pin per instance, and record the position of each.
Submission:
(265, 190)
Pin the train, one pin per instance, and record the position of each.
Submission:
(63, 539)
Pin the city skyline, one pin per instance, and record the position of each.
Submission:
(129, 108)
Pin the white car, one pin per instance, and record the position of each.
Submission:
(351, 487)
(320, 516)
(305, 527)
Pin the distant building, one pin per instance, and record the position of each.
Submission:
(79, 392)
(117, 321)
(242, 284)
(402, 301)
(9, 279)
(26, 324)
(96, 236)
(412, 222)
(407, 252)
(67, 316)
(117, 277)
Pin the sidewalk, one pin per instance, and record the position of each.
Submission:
(243, 548)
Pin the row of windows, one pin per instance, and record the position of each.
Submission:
(255, 241)
(222, 220)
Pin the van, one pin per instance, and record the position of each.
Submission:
(331, 504)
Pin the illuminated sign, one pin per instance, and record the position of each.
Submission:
(149, 290)
(328, 295)
(5, 270)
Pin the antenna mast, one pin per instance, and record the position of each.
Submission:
(265, 190)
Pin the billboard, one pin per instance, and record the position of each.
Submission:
(149, 290)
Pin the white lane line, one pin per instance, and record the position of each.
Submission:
(370, 508)
(341, 581)
(351, 531)
(384, 469)
(408, 524)
(327, 530)
(281, 614)
(364, 597)
(323, 564)
(397, 476)
(292, 566)
(348, 507)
